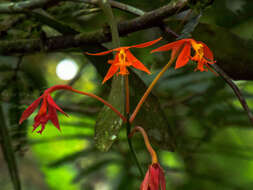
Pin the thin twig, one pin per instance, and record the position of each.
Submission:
(45, 18)
(236, 90)
(167, 29)
(127, 8)
(115, 4)
(20, 7)
(111, 21)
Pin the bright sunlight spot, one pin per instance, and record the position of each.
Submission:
(66, 69)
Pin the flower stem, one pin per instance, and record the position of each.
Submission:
(147, 143)
(69, 88)
(103, 101)
(128, 126)
(151, 86)
(128, 130)
(127, 94)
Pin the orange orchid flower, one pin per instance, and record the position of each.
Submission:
(123, 59)
(203, 55)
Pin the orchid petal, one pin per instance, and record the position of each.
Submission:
(170, 46)
(175, 51)
(135, 62)
(207, 52)
(42, 128)
(53, 117)
(154, 177)
(40, 119)
(200, 66)
(53, 104)
(184, 56)
(109, 51)
(30, 110)
(101, 53)
(146, 44)
(43, 107)
(145, 183)
(113, 69)
(162, 179)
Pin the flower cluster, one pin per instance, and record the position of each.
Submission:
(124, 58)
(184, 50)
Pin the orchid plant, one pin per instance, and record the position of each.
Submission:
(181, 53)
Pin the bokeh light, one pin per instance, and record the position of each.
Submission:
(66, 69)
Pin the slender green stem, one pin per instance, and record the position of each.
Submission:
(128, 130)
(236, 90)
(106, 7)
(8, 152)
(127, 94)
(151, 86)
(118, 5)
(45, 18)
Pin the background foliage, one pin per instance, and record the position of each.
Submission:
(206, 126)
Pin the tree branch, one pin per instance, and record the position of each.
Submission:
(20, 7)
(115, 4)
(236, 90)
(150, 19)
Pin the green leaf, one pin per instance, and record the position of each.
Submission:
(8, 152)
(151, 116)
(189, 27)
(108, 123)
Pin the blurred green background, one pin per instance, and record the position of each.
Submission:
(212, 132)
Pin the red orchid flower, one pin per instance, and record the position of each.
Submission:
(154, 178)
(203, 55)
(49, 107)
(123, 59)
(47, 110)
